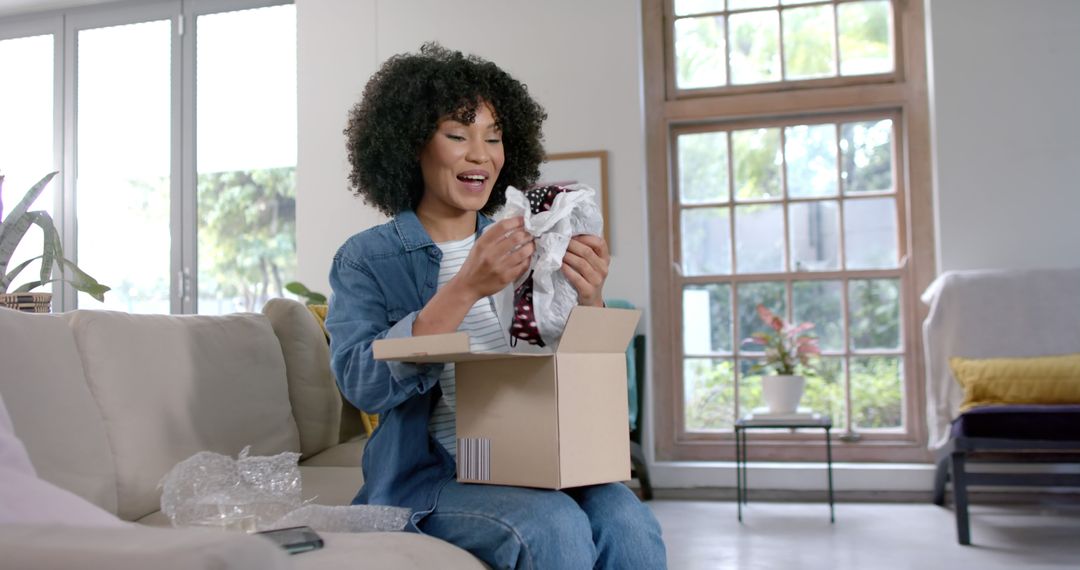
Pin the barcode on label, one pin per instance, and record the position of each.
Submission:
(474, 459)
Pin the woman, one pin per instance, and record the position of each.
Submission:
(434, 142)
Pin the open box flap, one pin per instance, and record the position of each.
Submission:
(449, 347)
(427, 348)
(595, 329)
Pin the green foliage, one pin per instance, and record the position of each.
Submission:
(808, 51)
(703, 167)
(757, 160)
(710, 394)
(876, 392)
(247, 229)
(875, 313)
(866, 156)
(12, 230)
(300, 290)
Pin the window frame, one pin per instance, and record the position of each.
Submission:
(37, 25)
(674, 92)
(65, 24)
(670, 112)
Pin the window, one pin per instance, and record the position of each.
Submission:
(781, 167)
(26, 148)
(753, 42)
(178, 154)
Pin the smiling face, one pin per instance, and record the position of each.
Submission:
(460, 165)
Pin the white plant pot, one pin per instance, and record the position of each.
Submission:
(782, 393)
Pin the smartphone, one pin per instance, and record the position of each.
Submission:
(295, 539)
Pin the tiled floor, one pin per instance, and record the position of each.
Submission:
(706, 534)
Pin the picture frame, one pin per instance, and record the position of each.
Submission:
(586, 167)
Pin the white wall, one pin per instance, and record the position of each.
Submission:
(1004, 85)
(580, 60)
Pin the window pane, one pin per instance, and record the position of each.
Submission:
(820, 303)
(808, 43)
(744, 4)
(246, 117)
(707, 319)
(124, 153)
(26, 145)
(814, 231)
(703, 167)
(706, 241)
(866, 44)
(824, 391)
(709, 393)
(870, 233)
(699, 52)
(875, 313)
(755, 47)
(866, 156)
(810, 153)
(684, 7)
(757, 157)
(759, 238)
(769, 293)
(877, 399)
(750, 396)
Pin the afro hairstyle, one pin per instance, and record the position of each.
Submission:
(402, 106)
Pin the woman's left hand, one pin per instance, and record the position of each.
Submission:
(585, 265)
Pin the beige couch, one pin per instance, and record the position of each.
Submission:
(107, 403)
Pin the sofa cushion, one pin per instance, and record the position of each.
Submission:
(348, 454)
(334, 486)
(136, 548)
(1048, 422)
(171, 386)
(316, 402)
(26, 499)
(398, 550)
(51, 407)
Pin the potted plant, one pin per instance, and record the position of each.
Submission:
(788, 348)
(12, 230)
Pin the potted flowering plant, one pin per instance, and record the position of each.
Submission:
(788, 348)
(12, 229)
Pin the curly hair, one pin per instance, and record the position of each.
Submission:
(401, 108)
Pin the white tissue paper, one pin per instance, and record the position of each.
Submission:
(571, 214)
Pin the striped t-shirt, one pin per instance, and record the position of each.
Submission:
(485, 335)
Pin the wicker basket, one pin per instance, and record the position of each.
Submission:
(28, 302)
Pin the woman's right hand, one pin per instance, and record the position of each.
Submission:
(498, 257)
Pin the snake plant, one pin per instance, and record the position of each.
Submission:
(12, 230)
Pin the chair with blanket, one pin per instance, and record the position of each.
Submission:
(1003, 378)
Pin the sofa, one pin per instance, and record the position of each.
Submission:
(995, 341)
(106, 403)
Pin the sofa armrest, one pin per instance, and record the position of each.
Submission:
(136, 547)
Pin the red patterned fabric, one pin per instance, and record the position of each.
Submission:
(524, 323)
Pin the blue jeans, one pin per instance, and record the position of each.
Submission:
(601, 526)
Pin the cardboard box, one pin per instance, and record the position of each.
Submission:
(552, 420)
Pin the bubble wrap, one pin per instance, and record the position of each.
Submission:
(572, 213)
(247, 493)
(352, 518)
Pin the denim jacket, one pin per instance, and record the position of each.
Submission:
(381, 278)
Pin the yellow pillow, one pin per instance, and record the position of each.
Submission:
(1037, 380)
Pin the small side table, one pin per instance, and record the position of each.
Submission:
(741, 427)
